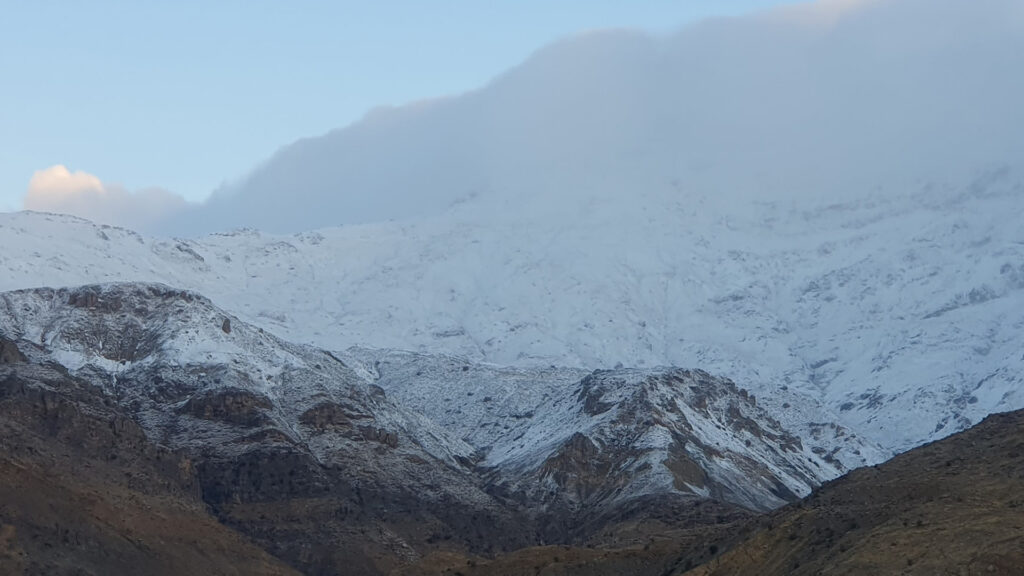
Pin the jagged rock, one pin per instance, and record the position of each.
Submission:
(84, 491)
(9, 353)
(687, 473)
(287, 443)
(950, 507)
(318, 458)
(389, 439)
(231, 405)
(330, 415)
(583, 470)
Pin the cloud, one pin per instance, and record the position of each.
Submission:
(819, 101)
(57, 184)
(813, 102)
(824, 13)
(57, 189)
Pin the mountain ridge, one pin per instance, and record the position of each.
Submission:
(281, 435)
(856, 310)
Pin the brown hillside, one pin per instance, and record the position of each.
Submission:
(953, 507)
(83, 492)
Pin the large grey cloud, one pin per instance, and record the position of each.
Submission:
(830, 98)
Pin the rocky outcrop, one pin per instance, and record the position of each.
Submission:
(633, 433)
(327, 416)
(230, 405)
(578, 468)
(83, 491)
(285, 444)
(9, 353)
(951, 507)
(317, 458)
(687, 473)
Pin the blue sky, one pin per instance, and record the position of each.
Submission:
(184, 95)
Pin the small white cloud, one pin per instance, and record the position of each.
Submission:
(57, 189)
(57, 184)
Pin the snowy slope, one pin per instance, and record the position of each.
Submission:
(159, 348)
(521, 419)
(202, 381)
(901, 314)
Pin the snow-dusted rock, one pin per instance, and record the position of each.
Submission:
(442, 427)
(898, 314)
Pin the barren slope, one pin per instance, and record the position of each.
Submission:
(84, 492)
(952, 507)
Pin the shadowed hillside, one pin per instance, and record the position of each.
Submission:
(83, 492)
(952, 507)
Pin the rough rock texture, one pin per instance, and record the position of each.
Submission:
(132, 397)
(84, 492)
(306, 453)
(952, 507)
(9, 353)
(598, 439)
(289, 445)
(898, 315)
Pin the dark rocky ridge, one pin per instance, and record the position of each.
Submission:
(660, 430)
(951, 507)
(9, 353)
(955, 506)
(316, 517)
(84, 492)
(291, 447)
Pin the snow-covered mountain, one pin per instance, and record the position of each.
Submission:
(789, 199)
(399, 444)
(173, 357)
(665, 429)
(900, 315)
(634, 283)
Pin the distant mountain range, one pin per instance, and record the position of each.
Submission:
(633, 307)
(146, 430)
(389, 453)
(898, 317)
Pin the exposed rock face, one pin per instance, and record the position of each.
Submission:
(287, 444)
(328, 416)
(595, 440)
(578, 468)
(9, 353)
(952, 507)
(319, 459)
(234, 406)
(84, 492)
